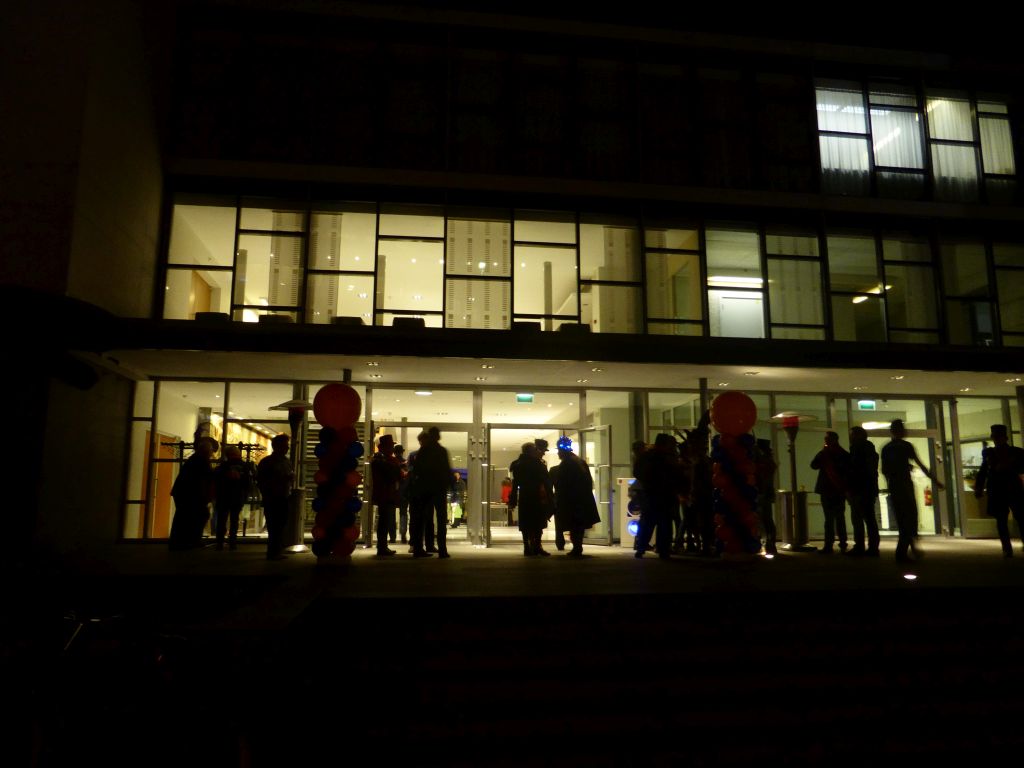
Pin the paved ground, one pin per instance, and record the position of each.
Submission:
(492, 658)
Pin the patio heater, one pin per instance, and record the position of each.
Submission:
(294, 529)
(794, 523)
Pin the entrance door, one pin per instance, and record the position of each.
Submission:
(462, 525)
(596, 450)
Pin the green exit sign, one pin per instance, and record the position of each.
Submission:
(865, 405)
(523, 397)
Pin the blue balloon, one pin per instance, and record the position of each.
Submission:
(327, 434)
(353, 505)
(355, 449)
(321, 450)
(347, 464)
(319, 503)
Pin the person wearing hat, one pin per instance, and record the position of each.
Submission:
(1000, 476)
(575, 506)
(386, 473)
(896, 457)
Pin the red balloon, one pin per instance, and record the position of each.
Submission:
(337, 406)
(320, 477)
(733, 413)
(353, 479)
(351, 533)
(319, 532)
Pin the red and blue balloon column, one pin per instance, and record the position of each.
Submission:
(737, 527)
(336, 408)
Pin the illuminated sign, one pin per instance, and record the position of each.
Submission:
(524, 397)
(865, 405)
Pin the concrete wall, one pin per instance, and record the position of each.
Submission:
(81, 480)
(119, 184)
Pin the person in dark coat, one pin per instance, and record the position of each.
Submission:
(1001, 468)
(659, 472)
(403, 497)
(531, 493)
(862, 492)
(386, 472)
(193, 490)
(430, 481)
(575, 506)
(274, 475)
(832, 463)
(232, 482)
(897, 456)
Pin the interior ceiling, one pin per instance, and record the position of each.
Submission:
(540, 375)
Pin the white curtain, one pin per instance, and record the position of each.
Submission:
(844, 164)
(956, 172)
(841, 110)
(897, 138)
(996, 145)
(950, 118)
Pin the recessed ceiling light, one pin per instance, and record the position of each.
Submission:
(373, 364)
(481, 378)
(897, 378)
(597, 370)
(751, 373)
(1012, 380)
(723, 383)
(487, 366)
(858, 389)
(965, 389)
(376, 375)
(423, 392)
(582, 381)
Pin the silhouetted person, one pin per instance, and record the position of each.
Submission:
(658, 470)
(193, 490)
(421, 526)
(232, 481)
(531, 493)
(832, 463)
(387, 474)
(1001, 468)
(764, 471)
(862, 492)
(701, 491)
(403, 497)
(542, 448)
(431, 480)
(575, 506)
(896, 457)
(274, 475)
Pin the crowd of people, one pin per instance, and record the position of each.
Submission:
(673, 490)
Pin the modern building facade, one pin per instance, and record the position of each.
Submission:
(510, 223)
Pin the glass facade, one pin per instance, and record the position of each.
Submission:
(877, 138)
(489, 269)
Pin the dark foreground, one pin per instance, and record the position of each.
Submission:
(492, 659)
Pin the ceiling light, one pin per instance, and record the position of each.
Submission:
(1012, 380)
(965, 389)
(723, 383)
(751, 373)
(729, 281)
(423, 393)
(487, 367)
(217, 396)
(481, 378)
(597, 370)
(859, 299)
(375, 375)
(582, 381)
(858, 388)
(373, 364)
(900, 377)
(910, 576)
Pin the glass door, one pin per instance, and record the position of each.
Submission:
(596, 449)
